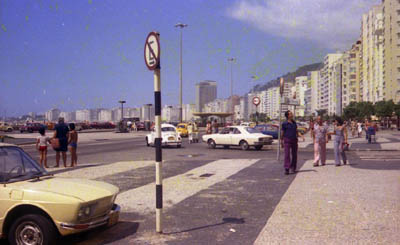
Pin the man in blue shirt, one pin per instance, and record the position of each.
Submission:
(289, 141)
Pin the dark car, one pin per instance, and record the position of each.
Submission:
(31, 127)
(268, 130)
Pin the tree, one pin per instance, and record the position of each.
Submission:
(366, 110)
(397, 113)
(384, 110)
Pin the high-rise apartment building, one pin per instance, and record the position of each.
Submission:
(313, 82)
(206, 91)
(301, 85)
(391, 33)
(52, 115)
(372, 41)
(327, 84)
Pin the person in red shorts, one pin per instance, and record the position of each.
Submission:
(41, 145)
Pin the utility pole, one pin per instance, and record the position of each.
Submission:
(181, 26)
(231, 60)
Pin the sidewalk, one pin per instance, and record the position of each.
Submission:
(356, 204)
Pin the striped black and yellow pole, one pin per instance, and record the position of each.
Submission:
(157, 142)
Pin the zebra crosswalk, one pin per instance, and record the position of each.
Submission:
(197, 193)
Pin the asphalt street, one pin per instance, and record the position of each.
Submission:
(233, 208)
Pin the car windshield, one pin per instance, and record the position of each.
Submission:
(168, 129)
(252, 130)
(181, 126)
(16, 165)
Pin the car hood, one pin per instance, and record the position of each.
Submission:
(82, 189)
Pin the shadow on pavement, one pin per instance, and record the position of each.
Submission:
(228, 220)
(377, 165)
(102, 235)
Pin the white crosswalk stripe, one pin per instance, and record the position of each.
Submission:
(182, 186)
(104, 170)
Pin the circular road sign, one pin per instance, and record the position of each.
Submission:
(152, 51)
(256, 101)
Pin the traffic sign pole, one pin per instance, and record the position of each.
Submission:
(157, 142)
(152, 60)
(281, 89)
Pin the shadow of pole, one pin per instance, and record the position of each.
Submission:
(228, 220)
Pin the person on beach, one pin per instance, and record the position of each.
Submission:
(61, 133)
(289, 142)
(73, 144)
(319, 135)
(340, 140)
(41, 145)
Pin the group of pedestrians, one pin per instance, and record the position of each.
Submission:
(64, 136)
(320, 134)
(212, 127)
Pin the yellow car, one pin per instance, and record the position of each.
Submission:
(36, 207)
(182, 129)
(6, 128)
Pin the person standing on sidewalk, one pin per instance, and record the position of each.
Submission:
(61, 133)
(289, 142)
(340, 140)
(319, 135)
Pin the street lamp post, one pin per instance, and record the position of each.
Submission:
(181, 26)
(231, 60)
(122, 102)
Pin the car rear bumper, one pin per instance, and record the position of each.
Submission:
(110, 219)
(263, 142)
(172, 143)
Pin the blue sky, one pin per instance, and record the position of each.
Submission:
(88, 54)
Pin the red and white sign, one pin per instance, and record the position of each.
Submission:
(256, 101)
(152, 51)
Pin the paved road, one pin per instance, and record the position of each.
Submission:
(221, 196)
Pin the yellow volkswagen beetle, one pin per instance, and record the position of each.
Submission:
(36, 207)
(182, 129)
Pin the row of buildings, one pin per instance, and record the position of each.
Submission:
(368, 71)
(144, 113)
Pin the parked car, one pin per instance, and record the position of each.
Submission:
(182, 129)
(242, 136)
(169, 135)
(268, 129)
(140, 126)
(248, 124)
(36, 206)
(31, 127)
(6, 128)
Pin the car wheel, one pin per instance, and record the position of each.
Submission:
(147, 142)
(9, 130)
(244, 145)
(32, 229)
(258, 147)
(178, 146)
(21, 131)
(211, 144)
(226, 146)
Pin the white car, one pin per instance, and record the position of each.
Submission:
(238, 136)
(169, 136)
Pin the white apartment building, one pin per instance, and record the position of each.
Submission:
(105, 115)
(301, 85)
(327, 99)
(313, 82)
(188, 110)
(83, 115)
(68, 116)
(147, 112)
(170, 114)
(52, 115)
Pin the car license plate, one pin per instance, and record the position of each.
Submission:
(171, 138)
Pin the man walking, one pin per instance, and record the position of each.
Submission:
(320, 137)
(289, 142)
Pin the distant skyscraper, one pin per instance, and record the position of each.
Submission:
(206, 91)
(52, 115)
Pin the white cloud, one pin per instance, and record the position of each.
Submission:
(331, 23)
